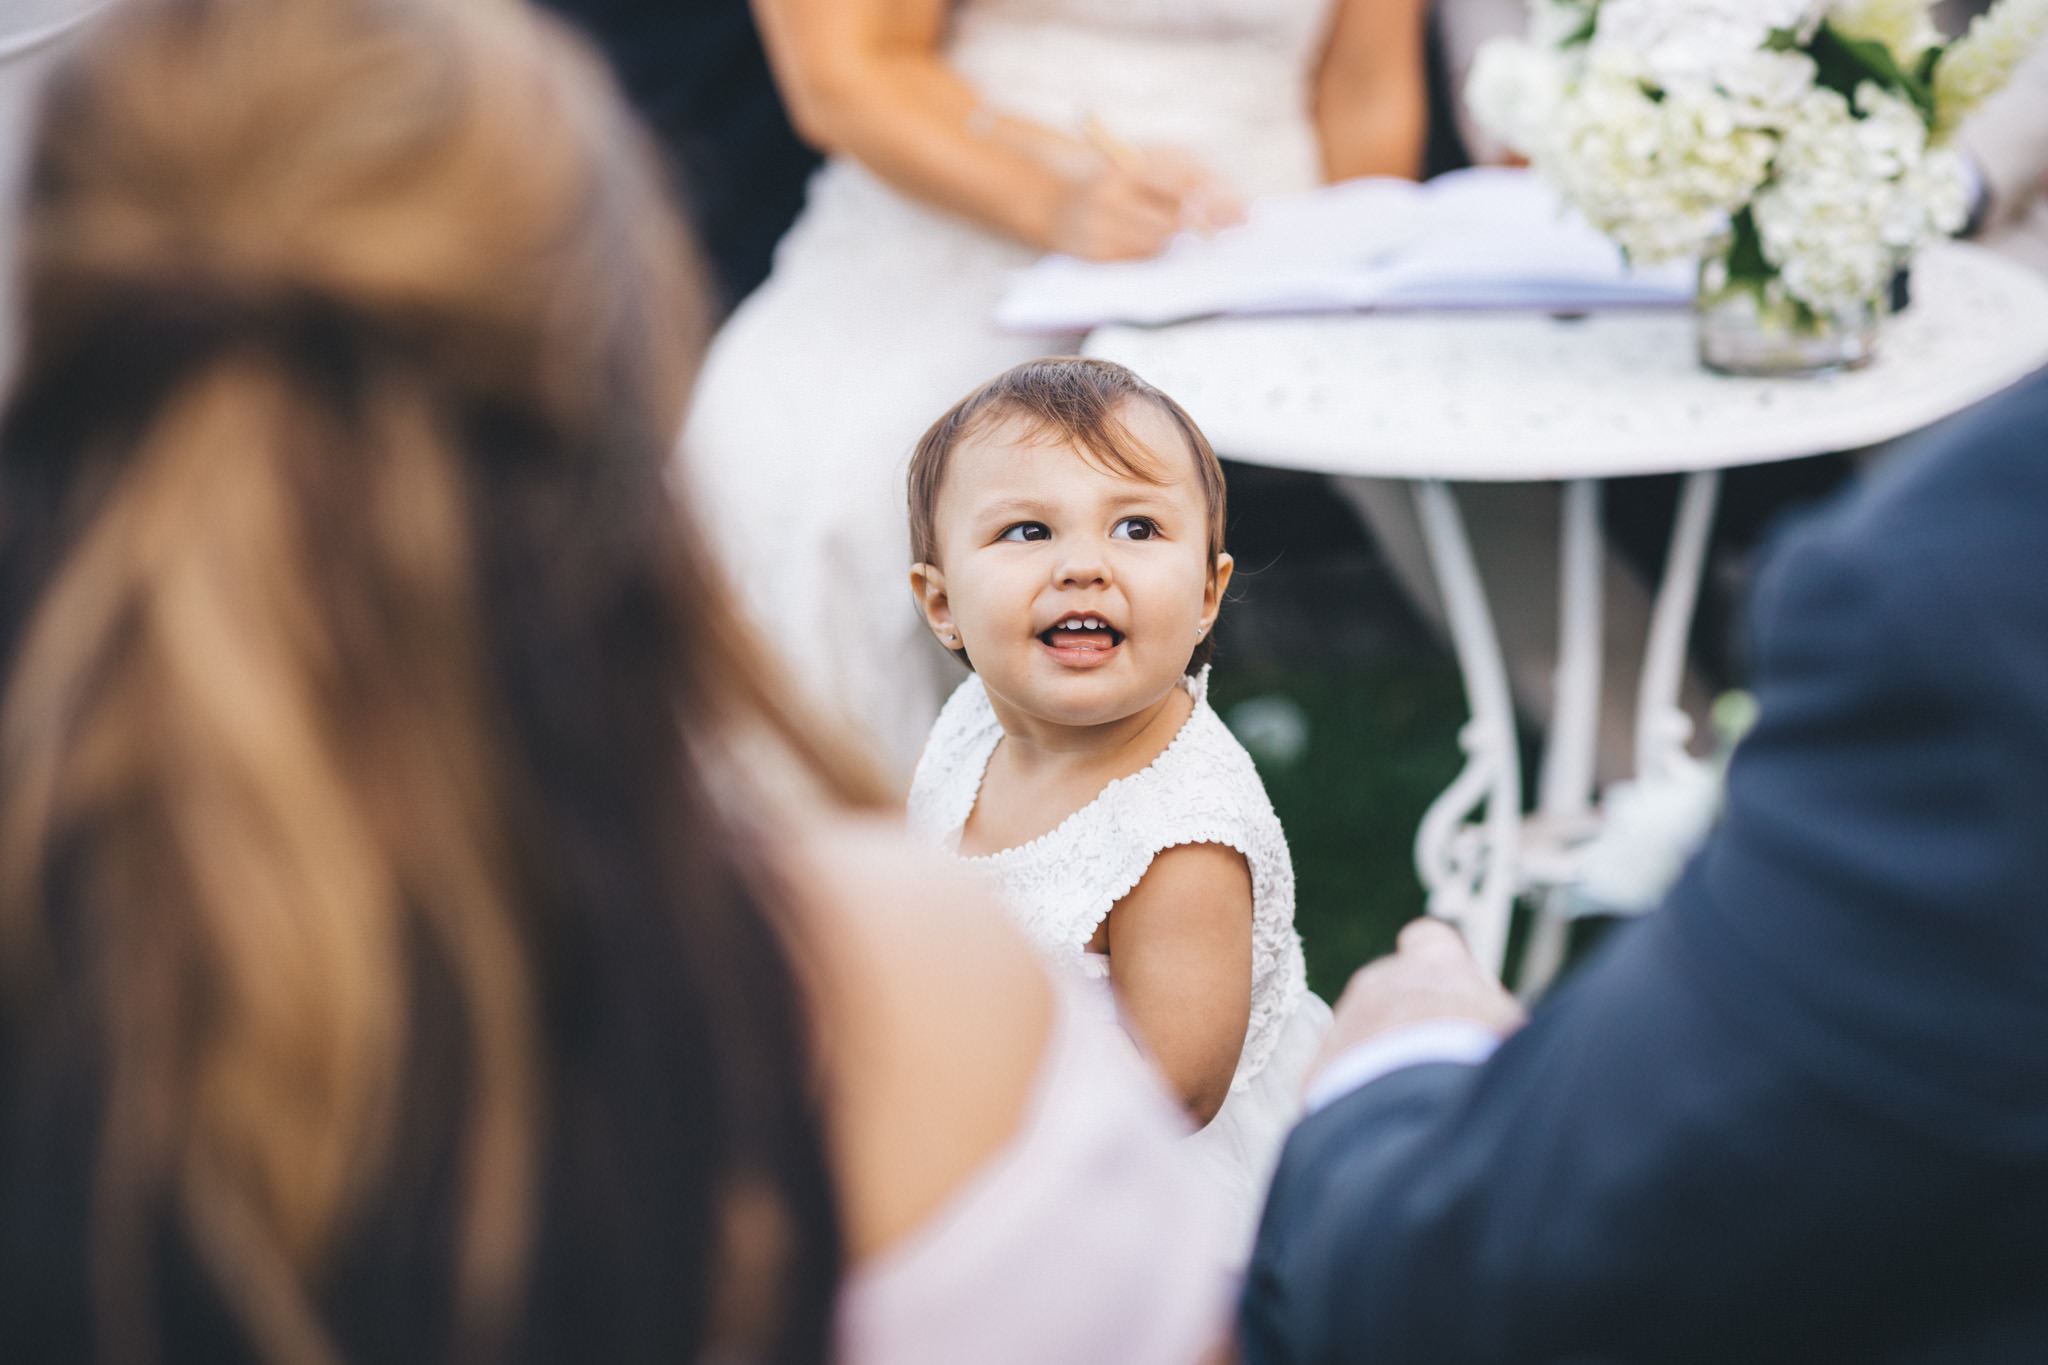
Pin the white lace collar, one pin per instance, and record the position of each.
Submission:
(1196, 685)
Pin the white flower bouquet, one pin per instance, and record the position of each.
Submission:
(1797, 148)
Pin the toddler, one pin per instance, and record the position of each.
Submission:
(1067, 526)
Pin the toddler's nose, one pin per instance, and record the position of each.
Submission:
(1082, 566)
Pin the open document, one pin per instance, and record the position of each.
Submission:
(1489, 237)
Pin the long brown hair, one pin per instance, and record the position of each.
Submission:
(373, 942)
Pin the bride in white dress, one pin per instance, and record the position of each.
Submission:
(965, 140)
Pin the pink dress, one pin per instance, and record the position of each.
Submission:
(1094, 1236)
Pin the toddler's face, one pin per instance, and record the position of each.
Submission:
(1077, 591)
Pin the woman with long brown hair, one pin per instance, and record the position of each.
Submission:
(403, 955)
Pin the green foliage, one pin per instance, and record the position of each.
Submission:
(1583, 34)
(1749, 268)
(1923, 69)
(1843, 63)
(1382, 746)
(1746, 262)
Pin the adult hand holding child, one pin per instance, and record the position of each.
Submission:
(1431, 975)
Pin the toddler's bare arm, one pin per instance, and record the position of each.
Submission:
(1180, 953)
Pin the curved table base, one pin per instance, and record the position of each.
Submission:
(1476, 851)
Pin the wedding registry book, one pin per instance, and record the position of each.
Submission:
(1488, 237)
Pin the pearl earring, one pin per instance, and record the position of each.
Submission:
(1200, 631)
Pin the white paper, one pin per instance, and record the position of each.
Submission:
(1489, 237)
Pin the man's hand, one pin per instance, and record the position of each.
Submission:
(1430, 975)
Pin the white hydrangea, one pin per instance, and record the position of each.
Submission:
(1661, 176)
(1553, 22)
(1933, 199)
(1850, 198)
(1686, 42)
(1979, 63)
(1905, 27)
(1889, 137)
(1514, 91)
(1678, 113)
(1650, 830)
(1765, 84)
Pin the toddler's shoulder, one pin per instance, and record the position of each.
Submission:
(1205, 788)
(1209, 759)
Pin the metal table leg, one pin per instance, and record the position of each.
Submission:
(1565, 815)
(1566, 790)
(1662, 727)
(1472, 869)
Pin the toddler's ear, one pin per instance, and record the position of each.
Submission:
(928, 586)
(1219, 582)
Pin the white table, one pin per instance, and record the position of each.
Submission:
(1435, 398)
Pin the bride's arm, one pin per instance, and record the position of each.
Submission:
(1371, 97)
(865, 78)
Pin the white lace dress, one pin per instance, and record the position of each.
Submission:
(876, 319)
(1059, 887)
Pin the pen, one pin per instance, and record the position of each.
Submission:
(1196, 205)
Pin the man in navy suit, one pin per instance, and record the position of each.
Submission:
(1799, 1114)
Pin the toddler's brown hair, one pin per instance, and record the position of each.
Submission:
(1070, 398)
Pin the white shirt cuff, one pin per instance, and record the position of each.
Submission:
(1462, 1041)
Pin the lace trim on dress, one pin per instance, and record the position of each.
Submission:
(1197, 687)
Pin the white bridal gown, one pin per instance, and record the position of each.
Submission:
(876, 319)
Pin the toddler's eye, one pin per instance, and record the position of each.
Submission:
(1026, 530)
(1134, 528)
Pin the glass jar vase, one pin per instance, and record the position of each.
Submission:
(1752, 327)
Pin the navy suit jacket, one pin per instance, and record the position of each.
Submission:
(1801, 1113)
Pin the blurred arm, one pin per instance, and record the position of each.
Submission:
(1371, 107)
(865, 78)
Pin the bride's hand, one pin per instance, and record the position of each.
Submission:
(1128, 206)
(1208, 202)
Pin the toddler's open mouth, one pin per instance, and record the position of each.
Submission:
(1081, 632)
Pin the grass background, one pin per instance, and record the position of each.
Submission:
(1315, 618)
(1382, 745)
